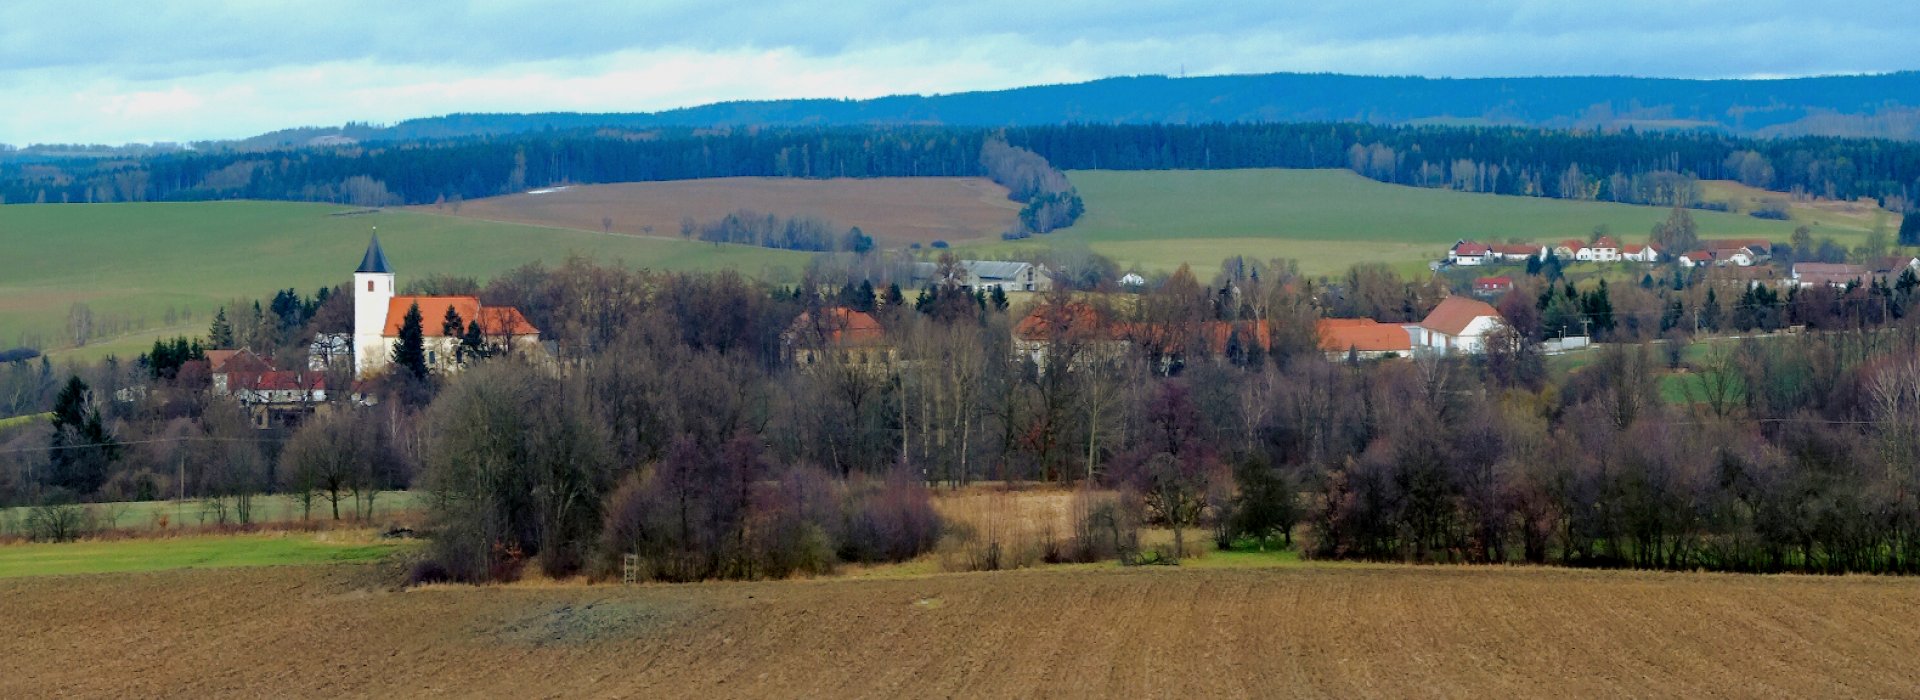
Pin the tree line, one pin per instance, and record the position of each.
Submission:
(1653, 167)
(673, 423)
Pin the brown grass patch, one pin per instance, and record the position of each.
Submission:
(896, 211)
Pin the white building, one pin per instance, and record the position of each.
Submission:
(1457, 325)
(379, 314)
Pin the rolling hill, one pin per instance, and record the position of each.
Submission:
(895, 211)
(1886, 105)
(1330, 219)
(149, 269)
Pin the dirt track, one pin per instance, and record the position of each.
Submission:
(1330, 631)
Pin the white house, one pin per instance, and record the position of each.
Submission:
(1636, 252)
(379, 314)
(1132, 279)
(1518, 252)
(1457, 325)
(1469, 253)
(1603, 249)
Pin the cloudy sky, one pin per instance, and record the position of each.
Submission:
(115, 71)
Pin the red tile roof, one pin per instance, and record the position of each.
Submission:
(1470, 248)
(1500, 282)
(1455, 313)
(242, 360)
(839, 327)
(1078, 317)
(1605, 242)
(1362, 334)
(494, 320)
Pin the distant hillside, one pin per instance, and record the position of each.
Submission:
(1855, 105)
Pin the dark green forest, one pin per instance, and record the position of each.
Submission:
(1650, 167)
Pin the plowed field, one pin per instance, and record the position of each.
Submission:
(895, 210)
(1328, 631)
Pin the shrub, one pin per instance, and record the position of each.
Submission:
(59, 522)
(894, 522)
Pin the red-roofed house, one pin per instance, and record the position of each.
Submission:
(378, 315)
(1469, 253)
(837, 333)
(1362, 337)
(1458, 324)
(1492, 285)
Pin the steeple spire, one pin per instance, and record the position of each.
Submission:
(375, 259)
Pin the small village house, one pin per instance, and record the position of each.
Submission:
(1363, 338)
(1458, 325)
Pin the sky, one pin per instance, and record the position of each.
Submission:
(90, 71)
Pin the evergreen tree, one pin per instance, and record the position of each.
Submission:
(82, 450)
(998, 298)
(410, 349)
(220, 336)
(1910, 229)
(894, 297)
(865, 295)
(473, 343)
(1710, 312)
(452, 326)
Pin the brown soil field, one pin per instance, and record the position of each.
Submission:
(1320, 630)
(895, 211)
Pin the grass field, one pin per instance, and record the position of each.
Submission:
(134, 262)
(1330, 219)
(1311, 630)
(201, 551)
(17, 421)
(279, 508)
(896, 211)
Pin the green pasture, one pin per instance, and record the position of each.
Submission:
(174, 514)
(201, 551)
(131, 264)
(1330, 219)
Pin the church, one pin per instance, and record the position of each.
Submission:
(378, 314)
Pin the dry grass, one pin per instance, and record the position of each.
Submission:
(1329, 631)
(896, 211)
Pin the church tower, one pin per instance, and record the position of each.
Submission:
(372, 289)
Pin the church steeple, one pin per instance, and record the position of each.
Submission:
(376, 259)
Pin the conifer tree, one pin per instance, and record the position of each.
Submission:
(409, 350)
(220, 336)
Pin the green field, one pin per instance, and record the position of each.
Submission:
(207, 551)
(134, 262)
(30, 419)
(1330, 219)
(277, 508)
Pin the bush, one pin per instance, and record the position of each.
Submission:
(59, 522)
(894, 522)
(940, 245)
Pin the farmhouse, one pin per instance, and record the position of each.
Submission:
(1488, 286)
(1457, 325)
(1363, 338)
(1637, 252)
(1469, 253)
(1602, 249)
(1518, 252)
(1008, 275)
(837, 334)
(379, 314)
(270, 396)
(1829, 274)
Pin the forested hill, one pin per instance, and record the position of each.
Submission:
(1885, 105)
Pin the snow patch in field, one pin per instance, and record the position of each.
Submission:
(550, 190)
